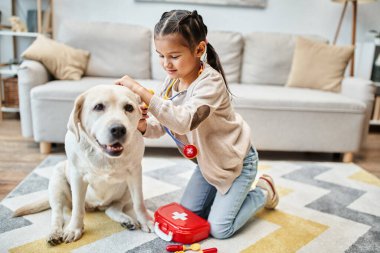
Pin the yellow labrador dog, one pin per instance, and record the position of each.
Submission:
(103, 168)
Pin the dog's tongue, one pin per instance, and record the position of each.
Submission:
(114, 148)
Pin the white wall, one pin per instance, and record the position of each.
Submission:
(289, 16)
(319, 17)
(293, 16)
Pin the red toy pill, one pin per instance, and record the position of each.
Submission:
(174, 247)
(209, 250)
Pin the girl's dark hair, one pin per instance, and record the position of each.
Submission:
(191, 27)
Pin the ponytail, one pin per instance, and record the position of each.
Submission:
(213, 60)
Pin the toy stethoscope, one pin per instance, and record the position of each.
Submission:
(188, 150)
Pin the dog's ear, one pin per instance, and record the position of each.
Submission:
(74, 120)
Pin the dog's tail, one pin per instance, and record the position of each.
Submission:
(36, 206)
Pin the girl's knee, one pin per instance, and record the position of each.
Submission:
(221, 231)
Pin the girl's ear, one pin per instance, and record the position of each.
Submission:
(201, 49)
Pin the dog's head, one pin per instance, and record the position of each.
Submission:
(109, 114)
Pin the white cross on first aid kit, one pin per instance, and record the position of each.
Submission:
(177, 215)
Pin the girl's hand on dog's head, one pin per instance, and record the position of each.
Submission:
(128, 82)
(144, 93)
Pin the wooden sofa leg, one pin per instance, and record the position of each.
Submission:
(45, 147)
(348, 157)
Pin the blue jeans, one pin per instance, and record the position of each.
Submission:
(229, 212)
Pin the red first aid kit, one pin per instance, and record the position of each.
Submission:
(173, 222)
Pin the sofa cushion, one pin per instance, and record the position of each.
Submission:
(245, 95)
(229, 47)
(268, 57)
(116, 49)
(63, 90)
(292, 99)
(62, 61)
(318, 66)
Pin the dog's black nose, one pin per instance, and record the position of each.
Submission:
(118, 131)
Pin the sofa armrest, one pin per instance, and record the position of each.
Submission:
(30, 74)
(358, 88)
(363, 90)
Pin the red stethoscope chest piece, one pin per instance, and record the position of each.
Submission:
(190, 151)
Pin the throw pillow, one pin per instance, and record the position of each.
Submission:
(318, 65)
(62, 61)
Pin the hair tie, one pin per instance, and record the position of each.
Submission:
(206, 40)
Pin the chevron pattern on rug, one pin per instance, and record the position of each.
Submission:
(324, 207)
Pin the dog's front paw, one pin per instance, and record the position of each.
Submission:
(130, 224)
(147, 226)
(146, 222)
(55, 237)
(72, 234)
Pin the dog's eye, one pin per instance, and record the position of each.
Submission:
(99, 107)
(128, 108)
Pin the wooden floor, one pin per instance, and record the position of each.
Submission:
(19, 156)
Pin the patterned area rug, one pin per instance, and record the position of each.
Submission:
(324, 207)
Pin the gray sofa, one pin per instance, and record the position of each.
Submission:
(256, 65)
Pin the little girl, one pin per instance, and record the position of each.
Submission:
(195, 104)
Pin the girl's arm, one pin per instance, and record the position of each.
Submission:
(207, 95)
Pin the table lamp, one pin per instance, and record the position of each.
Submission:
(354, 16)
